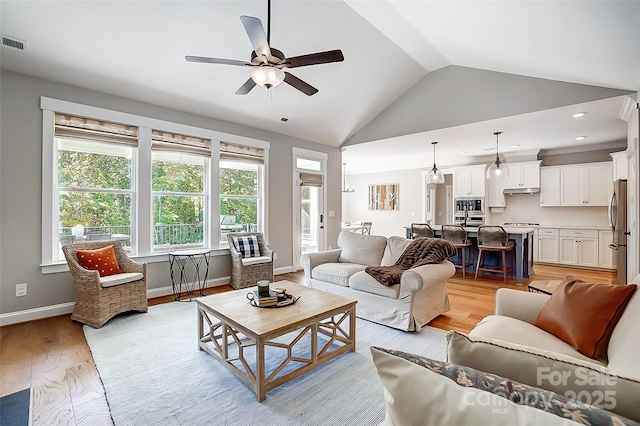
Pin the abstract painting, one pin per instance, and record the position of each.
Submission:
(383, 197)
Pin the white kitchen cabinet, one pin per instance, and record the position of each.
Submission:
(586, 184)
(606, 259)
(620, 165)
(495, 193)
(536, 240)
(548, 245)
(579, 247)
(549, 186)
(469, 181)
(523, 175)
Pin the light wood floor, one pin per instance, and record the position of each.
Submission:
(52, 357)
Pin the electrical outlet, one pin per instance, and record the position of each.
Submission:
(21, 290)
(275, 256)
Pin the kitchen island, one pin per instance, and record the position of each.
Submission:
(523, 246)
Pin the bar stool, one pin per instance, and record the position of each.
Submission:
(494, 238)
(421, 230)
(457, 236)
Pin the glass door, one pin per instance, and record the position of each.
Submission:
(311, 218)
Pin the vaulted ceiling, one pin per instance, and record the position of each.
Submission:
(392, 49)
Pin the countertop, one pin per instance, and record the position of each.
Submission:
(593, 227)
(510, 229)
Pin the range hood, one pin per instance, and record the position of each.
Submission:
(521, 191)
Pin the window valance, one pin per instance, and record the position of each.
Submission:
(164, 141)
(95, 130)
(232, 152)
(310, 179)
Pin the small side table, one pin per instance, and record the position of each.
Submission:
(543, 286)
(188, 276)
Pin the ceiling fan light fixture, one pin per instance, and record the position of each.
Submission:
(267, 76)
(498, 169)
(435, 176)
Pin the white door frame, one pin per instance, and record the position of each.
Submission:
(322, 233)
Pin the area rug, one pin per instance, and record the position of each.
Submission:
(14, 408)
(154, 374)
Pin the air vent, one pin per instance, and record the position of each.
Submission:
(15, 43)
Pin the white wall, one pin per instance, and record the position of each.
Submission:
(385, 222)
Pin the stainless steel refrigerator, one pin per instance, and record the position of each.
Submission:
(618, 223)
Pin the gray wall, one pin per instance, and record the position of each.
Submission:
(21, 187)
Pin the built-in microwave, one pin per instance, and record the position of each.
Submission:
(475, 205)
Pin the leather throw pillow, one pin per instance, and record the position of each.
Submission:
(584, 314)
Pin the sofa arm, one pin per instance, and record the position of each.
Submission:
(311, 260)
(414, 279)
(518, 304)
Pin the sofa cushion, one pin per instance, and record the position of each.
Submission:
(256, 260)
(421, 391)
(624, 346)
(587, 381)
(394, 249)
(336, 273)
(362, 249)
(584, 314)
(365, 282)
(506, 329)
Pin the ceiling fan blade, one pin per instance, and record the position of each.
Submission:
(256, 34)
(313, 59)
(246, 87)
(206, 60)
(294, 81)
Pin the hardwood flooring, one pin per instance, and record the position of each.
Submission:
(52, 357)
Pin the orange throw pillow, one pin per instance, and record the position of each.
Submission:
(584, 315)
(102, 260)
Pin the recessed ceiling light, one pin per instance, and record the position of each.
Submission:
(515, 146)
(463, 152)
(578, 114)
(580, 138)
(488, 149)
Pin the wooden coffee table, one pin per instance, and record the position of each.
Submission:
(228, 325)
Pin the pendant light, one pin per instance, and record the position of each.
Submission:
(344, 182)
(435, 176)
(499, 169)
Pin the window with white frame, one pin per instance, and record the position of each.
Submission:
(95, 180)
(241, 189)
(108, 175)
(179, 175)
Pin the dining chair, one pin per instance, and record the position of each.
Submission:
(493, 238)
(421, 230)
(366, 228)
(457, 235)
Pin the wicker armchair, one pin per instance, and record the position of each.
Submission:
(100, 299)
(246, 272)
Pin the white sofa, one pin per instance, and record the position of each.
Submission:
(509, 345)
(420, 297)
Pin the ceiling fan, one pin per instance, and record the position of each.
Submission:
(268, 63)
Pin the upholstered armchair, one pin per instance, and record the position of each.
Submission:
(251, 259)
(100, 298)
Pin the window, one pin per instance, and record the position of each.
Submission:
(94, 181)
(241, 189)
(108, 175)
(179, 173)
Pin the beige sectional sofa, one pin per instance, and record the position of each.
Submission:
(418, 298)
(509, 345)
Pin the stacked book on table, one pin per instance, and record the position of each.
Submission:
(273, 299)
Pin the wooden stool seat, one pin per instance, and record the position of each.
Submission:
(494, 239)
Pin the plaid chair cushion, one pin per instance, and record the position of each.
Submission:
(247, 246)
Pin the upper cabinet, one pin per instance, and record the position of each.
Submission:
(586, 184)
(469, 181)
(523, 175)
(582, 185)
(495, 193)
(549, 186)
(620, 165)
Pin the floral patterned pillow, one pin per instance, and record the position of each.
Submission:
(515, 392)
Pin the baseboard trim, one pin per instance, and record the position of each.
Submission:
(67, 308)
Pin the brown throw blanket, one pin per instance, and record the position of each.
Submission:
(421, 251)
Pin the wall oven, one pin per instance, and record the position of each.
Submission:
(469, 211)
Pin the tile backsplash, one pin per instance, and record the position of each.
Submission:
(526, 208)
